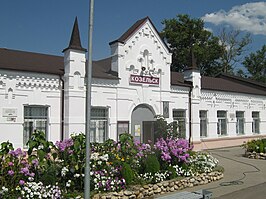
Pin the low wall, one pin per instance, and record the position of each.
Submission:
(150, 190)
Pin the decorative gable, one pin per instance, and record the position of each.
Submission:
(141, 52)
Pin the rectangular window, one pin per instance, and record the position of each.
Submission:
(99, 124)
(35, 119)
(122, 127)
(240, 122)
(203, 123)
(255, 122)
(179, 117)
(222, 123)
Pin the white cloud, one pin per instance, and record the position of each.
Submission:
(249, 17)
(208, 29)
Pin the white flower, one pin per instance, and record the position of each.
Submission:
(4, 189)
(94, 156)
(30, 179)
(77, 175)
(68, 184)
(64, 171)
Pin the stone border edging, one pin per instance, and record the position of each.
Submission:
(255, 155)
(162, 187)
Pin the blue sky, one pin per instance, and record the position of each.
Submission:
(45, 26)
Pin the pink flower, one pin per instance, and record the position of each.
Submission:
(10, 164)
(11, 172)
(21, 182)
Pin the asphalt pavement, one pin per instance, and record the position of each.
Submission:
(244, 178)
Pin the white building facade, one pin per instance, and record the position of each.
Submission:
(131, 87)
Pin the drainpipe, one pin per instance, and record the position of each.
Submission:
(62, 108)
(190, 117)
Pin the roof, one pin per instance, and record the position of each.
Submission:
(130, 31)
(74, 42)
(102, 69)
(177, 79)
(223, 82)
(49, 64)
(124, 37)
(31, 62)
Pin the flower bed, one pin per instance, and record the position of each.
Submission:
(255, 149)
(50, 170)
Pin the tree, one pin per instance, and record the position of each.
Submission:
(256, 64)
(183, 34)
(234, 45)
(241, 73)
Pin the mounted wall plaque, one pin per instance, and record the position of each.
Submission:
(9, 112)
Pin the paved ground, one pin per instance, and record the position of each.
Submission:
(243, 177)
(255, 192)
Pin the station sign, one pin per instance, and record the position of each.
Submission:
(144, 79)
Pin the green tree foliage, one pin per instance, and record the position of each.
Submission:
(234, 45)
(255, 63)
(182, 34)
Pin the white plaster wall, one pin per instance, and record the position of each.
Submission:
(28, 89)
(74, 92)
(212, 101)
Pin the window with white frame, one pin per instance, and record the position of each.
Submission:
(240, 122)
(203, 123)
(35, 119)
(255, 122)
(122, 127)
(222, 123)
(99, 124)
(179, 117)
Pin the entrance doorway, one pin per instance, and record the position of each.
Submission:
(142, 123)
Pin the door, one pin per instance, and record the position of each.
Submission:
(148, 132)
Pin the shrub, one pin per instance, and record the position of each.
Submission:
(257, 146)
(172, 172)
(127, 173)
(164, 129)
(152, 165)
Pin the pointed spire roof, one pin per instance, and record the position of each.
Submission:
(192, 61)
(74, 42)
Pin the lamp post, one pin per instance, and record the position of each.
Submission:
(88, 105)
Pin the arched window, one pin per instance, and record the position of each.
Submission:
(9, 94)
(146, 58)
(77, 79)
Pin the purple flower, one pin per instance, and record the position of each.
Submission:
(10, 164)
(24, 162)
(35, 162)
(70, 152)
(21, 182)
(62, 145)
(11, 172)
(172, 149)
(24, 171)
